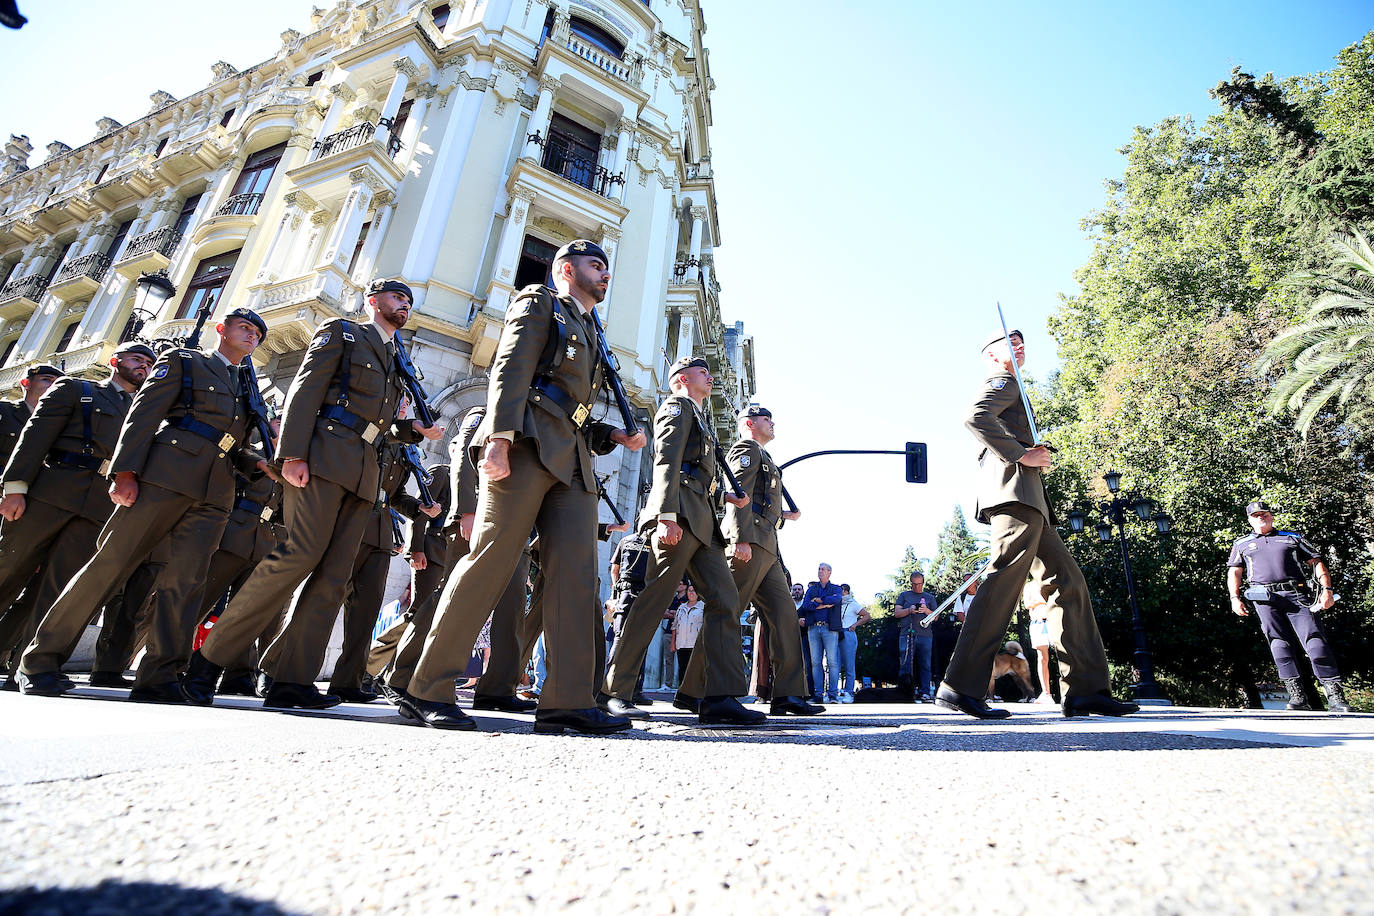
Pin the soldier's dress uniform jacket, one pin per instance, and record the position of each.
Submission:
(182, 439)
(762, 580)
(1012, 498)
(13, 416)
(56, 463)
(684, 481)
(1279, 562)
(544, 382)
(339, 412)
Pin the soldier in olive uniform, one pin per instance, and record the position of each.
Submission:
(340, 409)
(173, 477)
(752, 533)
(14, 414)
(55, 500)
(686, 539)
(1013, 500)
(536, 472)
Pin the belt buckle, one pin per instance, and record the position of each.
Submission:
(580, 415)
(714, 485)
(226, 442)
(267, 514)
(370, 433)
(104, 469)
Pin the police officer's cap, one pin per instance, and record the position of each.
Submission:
(582, 248)
(390, 285)
(42, 369)
(686, 363)
(252, 318)
(132, 346)
(755, 410)
(1258, 505)
(1000, 335)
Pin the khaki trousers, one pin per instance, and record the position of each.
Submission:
(126, 615)
(719, 643)
(565, 517)
(763, 582)
(39, 554)
(1025, 544)
(364, 603)
(126, 541)
(324, 524)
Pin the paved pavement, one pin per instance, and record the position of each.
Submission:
(113, 807)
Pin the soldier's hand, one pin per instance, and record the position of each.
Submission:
(124, 489)
(1038, 457)
(429, 432)
(270, 471)
(432, 511)
(668, 532)
(12, 507)
(465, 524)
(792, 516)
(495, 461)
(742, 552)
(296, 472)
(740, 501)
(418, 561)
(1238, 607)
(633, 443)
(619, 526)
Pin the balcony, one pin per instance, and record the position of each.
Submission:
(241, 205)
(294, 308)
(632, 73)
(686, 273)
(354, 137)
(20, 297)
(148, 252)
(575, 162)
(80, 277)
(336, 160)
(229, 227)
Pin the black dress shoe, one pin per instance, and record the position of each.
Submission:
(198, 683)
(962, 702)
(262, 684)
(391, 694)
(298, 696)
(728, 711)
(240, 685)
(109, 679)
(10, 684)
(793, 706)
(43, 684)
(353, 694)
(502, 704)
(1101, 703)
(686, 703)
(170, 692)
(586, 721)
(448, 716)
(641, 699)
(617, 707)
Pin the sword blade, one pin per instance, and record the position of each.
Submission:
(1016, 369)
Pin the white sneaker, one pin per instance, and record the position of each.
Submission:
(846, 698)
(1045, 699)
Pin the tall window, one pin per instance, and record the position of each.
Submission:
(6, 271)
(188, 213)
(228, 116)
(57, 261)
(67, 334)
(117, 242)
(257, 171)
(594, 34)
(536, 262)
(358, 248)
(440, 14)
(571, 150)
(207, 283)
(399, 124)
(161, 145)
(9, 350)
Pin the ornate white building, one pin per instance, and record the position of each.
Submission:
(454, 145)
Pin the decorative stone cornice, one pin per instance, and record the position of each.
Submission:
(300, 200)
(222, 71)
(426, 91)
(549, 84)
(407, 66)
(343, 92)
(161, 100)
(367, 179)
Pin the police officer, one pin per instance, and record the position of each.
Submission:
(55, 498)
(173, 477)
(340, 411)
(536, 470)
(1275, 565)
(686, 539)
(14, 414)
(1012, 499)
(629, 572)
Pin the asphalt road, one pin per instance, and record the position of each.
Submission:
(111, 807)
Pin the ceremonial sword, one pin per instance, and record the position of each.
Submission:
(1016, 370)
(928, 619)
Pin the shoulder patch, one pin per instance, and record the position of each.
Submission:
(673, 410)
(473, 421)
(997, 384)
(744, 461)
(324, 338)
(160, 371)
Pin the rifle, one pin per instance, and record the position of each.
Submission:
(411, 377)
(622, 400)
(414, 462)
(202, 314)
(720, 452)
(259, 414)
(601, 491)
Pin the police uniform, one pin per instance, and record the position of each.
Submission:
(182, 439)
(684, 481)
(544, 382)
(339, 412)
(633, 555)
(1276, 567)
(1013, 500)
(762, 580)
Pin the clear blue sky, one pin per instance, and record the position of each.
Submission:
(886, 172)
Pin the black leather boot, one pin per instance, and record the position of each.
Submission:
(200, 680)
(1335, 695)
(1297, 694)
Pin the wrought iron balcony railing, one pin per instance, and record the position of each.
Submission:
(688, 271)
(561, 157)
(92, 266)
(30, 287)
(355, 136)
(162, 241)
(241, 205)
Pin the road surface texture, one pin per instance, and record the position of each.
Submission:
(113, 807)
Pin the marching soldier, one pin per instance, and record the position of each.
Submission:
(1013, 500)
(687, 539)
(173, 477)
(537, 471)
(55, 500)
(1275, 565)
(752, 533)
(340, 412)
(14, 414)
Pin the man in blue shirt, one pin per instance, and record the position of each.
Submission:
(917, 643)
(821, 605)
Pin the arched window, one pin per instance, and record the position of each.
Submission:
(595, 35)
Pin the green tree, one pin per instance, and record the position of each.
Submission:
(957, 554)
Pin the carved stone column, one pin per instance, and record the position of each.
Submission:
(274, 258)
(405, 72)
(384, 204)
(343, 97)
(410, 135)
(622, 151)
(543, 114)
(508, 252)
(349, 224)
(698, 223)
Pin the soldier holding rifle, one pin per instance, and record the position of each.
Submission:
(1012, 498)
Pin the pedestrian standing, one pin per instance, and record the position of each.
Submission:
(917, 643)
(852, 616)
(822, 601)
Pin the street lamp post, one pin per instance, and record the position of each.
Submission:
(1115, 511)
(151, 292)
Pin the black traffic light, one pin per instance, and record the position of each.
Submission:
(915, 462)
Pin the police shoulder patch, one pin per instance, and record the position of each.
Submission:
(744, 461)
(997, 384)
(160, 371)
